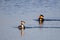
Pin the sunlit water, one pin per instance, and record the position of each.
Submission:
(13, 11)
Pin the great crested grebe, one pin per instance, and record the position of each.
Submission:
(21, 26)
(41, 19)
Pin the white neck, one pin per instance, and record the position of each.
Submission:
(22, 26)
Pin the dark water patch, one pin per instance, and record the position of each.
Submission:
(48, 19)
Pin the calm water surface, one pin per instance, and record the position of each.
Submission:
(13, 11)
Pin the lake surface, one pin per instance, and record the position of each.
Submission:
(13, 11)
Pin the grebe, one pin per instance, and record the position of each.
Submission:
(41, 19)
(21, 26)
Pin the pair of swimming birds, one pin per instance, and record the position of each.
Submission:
(22, 26)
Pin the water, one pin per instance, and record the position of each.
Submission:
(13, 11)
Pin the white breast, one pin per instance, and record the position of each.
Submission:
(22, 26)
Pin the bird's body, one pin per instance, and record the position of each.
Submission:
(21, 27)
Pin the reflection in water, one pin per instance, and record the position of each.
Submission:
(22, 32)
(40, 23)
